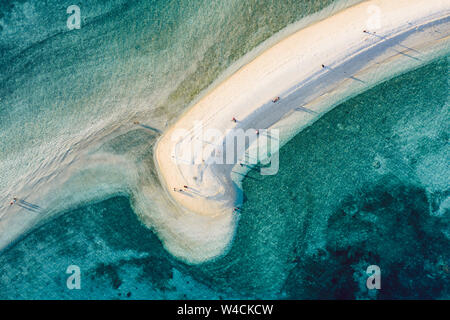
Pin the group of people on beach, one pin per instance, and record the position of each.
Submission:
(274, 100)
(181, 190)
(235, 209)
(13, 201)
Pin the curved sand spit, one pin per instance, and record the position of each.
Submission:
(400, 35)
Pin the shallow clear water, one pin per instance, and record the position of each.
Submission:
(366, 184)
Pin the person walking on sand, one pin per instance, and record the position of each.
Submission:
(234, 120)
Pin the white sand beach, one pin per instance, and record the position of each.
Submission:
(399, 35)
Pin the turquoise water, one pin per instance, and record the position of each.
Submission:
(366, 184)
